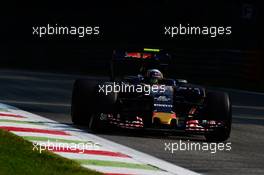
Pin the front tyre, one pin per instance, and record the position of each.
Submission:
(219, 109)
(82, 101)
(104, 105)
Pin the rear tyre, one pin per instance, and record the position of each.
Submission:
(219, 108)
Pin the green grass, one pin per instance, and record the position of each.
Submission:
(17, 157)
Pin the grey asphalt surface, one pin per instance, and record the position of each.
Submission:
(49, 95)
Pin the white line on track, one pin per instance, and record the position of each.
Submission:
(127, 170)
(97, 157)
(35, 103)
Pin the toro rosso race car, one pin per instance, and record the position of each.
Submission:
(138, 95)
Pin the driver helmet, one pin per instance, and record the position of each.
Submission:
(154, 75)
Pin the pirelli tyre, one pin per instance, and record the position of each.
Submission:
(82, 101)
(105, 105)
(88, 103)
(219, 108)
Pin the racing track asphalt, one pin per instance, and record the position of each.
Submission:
(49, 94)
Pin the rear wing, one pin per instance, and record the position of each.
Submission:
(137, 61)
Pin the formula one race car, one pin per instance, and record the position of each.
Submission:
(149, 100)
